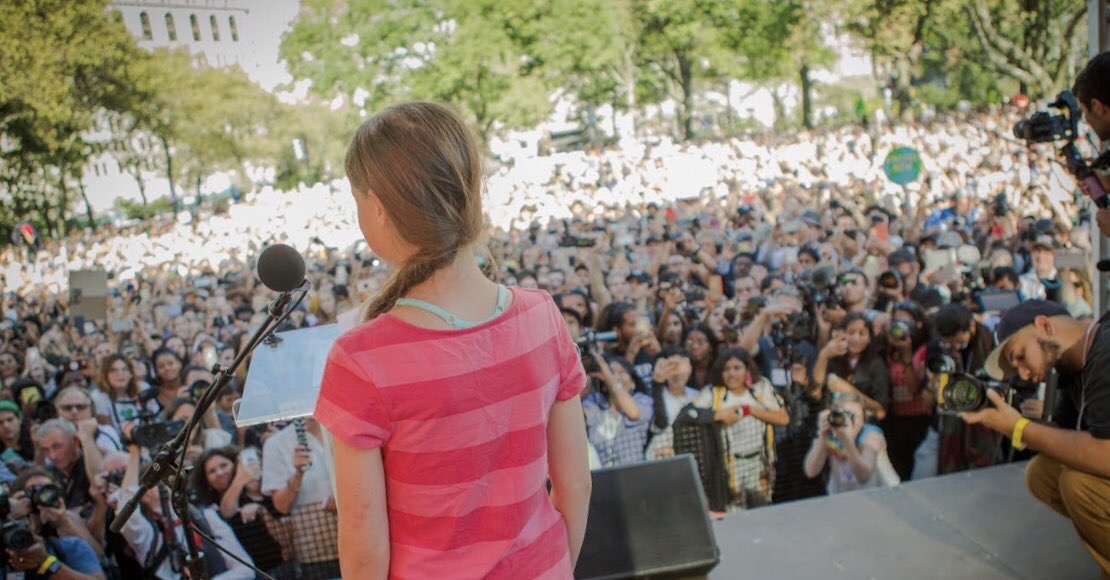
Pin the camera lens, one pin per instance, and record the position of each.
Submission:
(941, 364)
(963, 393)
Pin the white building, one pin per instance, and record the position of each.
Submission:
(220, 33)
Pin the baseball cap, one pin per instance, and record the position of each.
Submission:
(1011, 323)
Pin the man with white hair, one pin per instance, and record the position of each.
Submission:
(73, 456)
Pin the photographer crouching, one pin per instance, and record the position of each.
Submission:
(41, 538)
(1072, 472)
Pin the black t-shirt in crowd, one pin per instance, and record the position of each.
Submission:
(643, 366)
(1089, 404)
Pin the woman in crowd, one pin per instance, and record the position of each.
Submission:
(146, 533)
(850, 363)
(853, 450)
(911, 405)
(701, 344)
(226, 479)
(167, 376)
(122, 388)
(748, 407)
(617, 412)
(669, 394)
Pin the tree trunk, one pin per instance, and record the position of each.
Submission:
(686, 110)
(63, 203)
(88, 206)
(142, 187)
(807, 96)
(199, 197)
(169, 173)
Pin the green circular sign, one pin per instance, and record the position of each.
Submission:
(902, 165)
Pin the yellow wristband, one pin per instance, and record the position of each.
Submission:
(1019, 428)
(47, 563)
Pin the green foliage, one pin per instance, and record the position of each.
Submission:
(140, 211)
(62, 62)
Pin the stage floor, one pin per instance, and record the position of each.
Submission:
(978, 525)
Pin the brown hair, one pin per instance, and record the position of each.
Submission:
(423, 164)
(106, 367)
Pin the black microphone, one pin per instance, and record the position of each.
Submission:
(281, 268)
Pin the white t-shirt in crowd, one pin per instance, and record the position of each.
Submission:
(277, 467)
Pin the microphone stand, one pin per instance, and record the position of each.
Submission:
(168, 466)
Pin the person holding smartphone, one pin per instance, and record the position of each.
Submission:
(232, 482)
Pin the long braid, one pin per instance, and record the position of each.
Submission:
(415, 270)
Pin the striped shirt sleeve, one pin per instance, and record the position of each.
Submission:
(350, 406)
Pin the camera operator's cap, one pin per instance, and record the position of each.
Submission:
(1011, 323)
(11, 407)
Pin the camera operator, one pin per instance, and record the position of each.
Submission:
(1072, 471)
(911, 407)
(853, 449)
(950, 445)
(35, 493)
(73, 456)
(1092, 91)
(54, 556)
(635, 339)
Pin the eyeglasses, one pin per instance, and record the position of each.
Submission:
(76, 407)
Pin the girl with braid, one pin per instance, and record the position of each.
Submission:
(456, 399)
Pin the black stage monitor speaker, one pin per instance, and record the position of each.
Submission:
(648, 520)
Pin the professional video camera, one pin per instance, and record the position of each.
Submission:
(1045, 127)
(797, 326)
(587, 347)
(819, 285)
(959, 392)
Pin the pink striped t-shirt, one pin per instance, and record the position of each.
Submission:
(461, 417)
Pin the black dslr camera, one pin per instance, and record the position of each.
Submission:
(15, 535)
(1045, 127)
(960, 392)
(839, 418)
(819, 286)
(45, 495)
(587, 347)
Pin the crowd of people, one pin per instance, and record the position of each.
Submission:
(790, 296)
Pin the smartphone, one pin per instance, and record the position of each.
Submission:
(28, 395)
(643, 326)
(249, 456)
(14, 461)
